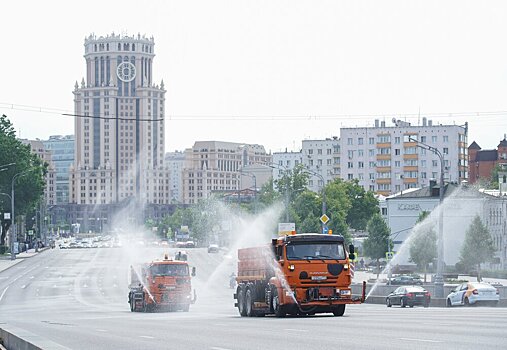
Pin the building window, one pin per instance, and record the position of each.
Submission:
(446, 150)
(434, 139)
(397, 139)
(360, 141)
(350, 141)
(384, 138)
(397, 151)
(446, 138)
(350, 176)
(371, 140)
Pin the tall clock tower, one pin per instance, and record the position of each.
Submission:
(119, 124)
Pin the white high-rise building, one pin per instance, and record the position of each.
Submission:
(119, 125)
(321, 157)
(385, 159)
(174, 162)
(285, 161)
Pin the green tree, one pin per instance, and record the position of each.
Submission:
(423, 247)
(306, 209)
(378, 241)
(29, 187)
(267, 194)
(478, 246)
(363, 205)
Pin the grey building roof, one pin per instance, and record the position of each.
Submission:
(474, 145)
(486, 155)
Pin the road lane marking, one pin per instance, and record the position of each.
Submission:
(295, 330)
(217, 348)
(101, 330)
(23, 286)
(32, 277)
(146, 337)
(3, 293)
(422, 340)
(4, 278)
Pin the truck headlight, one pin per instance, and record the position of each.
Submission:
(292, 267)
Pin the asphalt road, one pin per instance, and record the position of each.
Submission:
(77, 299)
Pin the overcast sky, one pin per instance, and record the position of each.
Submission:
(270, 72)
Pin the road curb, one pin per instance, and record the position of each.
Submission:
(20, 339)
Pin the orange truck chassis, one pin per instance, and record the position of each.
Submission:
(300, 274)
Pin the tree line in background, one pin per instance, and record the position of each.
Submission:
(349, 206)
(477, 248)
(17, 160)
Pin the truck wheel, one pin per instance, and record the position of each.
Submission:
(277, 308)
(339, 310)
(249, 303)
(241, 301)
(132, 305)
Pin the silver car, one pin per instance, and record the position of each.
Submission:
(473, 292)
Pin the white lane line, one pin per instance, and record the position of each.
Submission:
(295, 330)
(422, 340)
(101, 330)
(23, 286)
(438, 324)
(4, 278)
(146, 337)
(32, 277)
(3, 293)
(217, 348)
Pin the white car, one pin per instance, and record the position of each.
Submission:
(473, 292)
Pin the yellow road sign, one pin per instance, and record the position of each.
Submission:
(324, 219)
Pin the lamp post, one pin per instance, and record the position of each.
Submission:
(323, 193)
(255, 187)
(287, 199)
(439, 279)
(13, 231)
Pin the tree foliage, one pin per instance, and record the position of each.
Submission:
(423, 247)
(477, 247)
(29, 187)
(378, 241)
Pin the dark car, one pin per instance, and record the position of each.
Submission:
(409, 296)
(406, 280)
(213, 248)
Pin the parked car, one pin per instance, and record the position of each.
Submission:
(406, 280)
(473, 293)
(213, 248)
(409, 296)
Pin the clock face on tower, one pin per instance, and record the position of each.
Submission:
(126, 71)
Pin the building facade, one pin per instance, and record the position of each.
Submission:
(37, 147)
(62, 156)
(461, 204)
(174, 162)
(119, 125)
(482, 162)
(215, 167)
(321, 157)
(390, 159)
(285, 161)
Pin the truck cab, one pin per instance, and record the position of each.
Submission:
(162, 285)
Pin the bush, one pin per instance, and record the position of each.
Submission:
(494, 274)
(3, 249)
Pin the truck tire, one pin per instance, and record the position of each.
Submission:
(249, 298)
(339, 310)
(277, 308)
(241, 301)
(132, 305)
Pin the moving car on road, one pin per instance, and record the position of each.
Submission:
(409, 296)
(472, 293)
(213, 248)
(406, 280)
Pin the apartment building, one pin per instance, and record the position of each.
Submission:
(285, 161)
(389, 159)
(215, 167)
(174, 162)
(322, 159)
(62, 156)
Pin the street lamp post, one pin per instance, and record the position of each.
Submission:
(324, 208)
(287, 199)
(439, 279)
(255, 187)
(13, 231)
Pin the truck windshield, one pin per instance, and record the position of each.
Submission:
(307, 251)
(169, 270)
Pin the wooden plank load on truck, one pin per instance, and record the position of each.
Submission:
(161, 285)
(300, 274)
